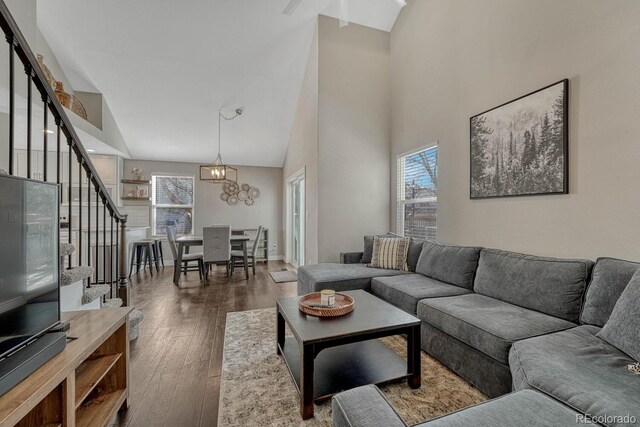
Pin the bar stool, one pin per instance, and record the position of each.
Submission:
(158, 252)
(142, 252)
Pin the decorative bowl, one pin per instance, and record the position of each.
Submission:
(342, 306)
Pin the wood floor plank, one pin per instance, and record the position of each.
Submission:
(210, 406)
(153, 408)
(176, 362)
(188, 398)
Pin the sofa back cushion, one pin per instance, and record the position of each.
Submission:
(609, 279)
(415, 249)
(455, 265)
(623, 327)
(548, 285)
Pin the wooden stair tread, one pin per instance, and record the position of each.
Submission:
(90, 373)
(98, 411)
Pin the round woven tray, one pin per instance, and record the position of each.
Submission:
(342, 306)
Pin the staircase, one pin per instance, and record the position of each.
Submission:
(96, 215)
(103, 293)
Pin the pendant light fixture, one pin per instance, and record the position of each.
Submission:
(217, 172)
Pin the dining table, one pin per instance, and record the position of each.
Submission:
(185, 242)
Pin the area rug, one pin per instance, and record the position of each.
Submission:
(284, 276)
(256, 389)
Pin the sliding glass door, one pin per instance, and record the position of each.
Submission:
(296, 219)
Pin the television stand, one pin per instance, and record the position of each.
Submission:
(86, 384)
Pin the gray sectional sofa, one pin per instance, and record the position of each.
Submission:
(505, 322)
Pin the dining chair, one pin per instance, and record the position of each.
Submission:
(251, 257)
(186, 258)
(216, 245)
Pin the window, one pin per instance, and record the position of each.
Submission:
(172, 201)
(417, 194)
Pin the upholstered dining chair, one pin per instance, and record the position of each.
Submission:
(186, 258)
(216, 247)
(237, 257)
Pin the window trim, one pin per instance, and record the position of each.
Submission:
(401, 200)
(154, 205)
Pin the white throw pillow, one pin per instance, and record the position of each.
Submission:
(390, 253)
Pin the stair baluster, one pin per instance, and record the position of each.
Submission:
(12, 99)
(29, 72)
(58, 155)
(89, 224)
(80, 162)
(69, 198)
(45, 132)
(117, 275)
(97, 245)
(97, 228)
(123, 286)
(111, 251)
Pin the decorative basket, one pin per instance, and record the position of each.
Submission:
(342, 306)
(69, 101)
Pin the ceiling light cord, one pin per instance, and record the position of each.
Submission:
(238, 112)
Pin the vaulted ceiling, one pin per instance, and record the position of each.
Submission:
(166, 67)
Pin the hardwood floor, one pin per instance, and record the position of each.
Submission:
(177, 360)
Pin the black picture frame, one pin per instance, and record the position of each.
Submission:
(543, 180)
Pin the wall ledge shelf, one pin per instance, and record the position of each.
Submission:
(134, 181)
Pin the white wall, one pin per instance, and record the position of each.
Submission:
(210, 209)
(354, 136)
(42, 47)
(452, 59)
(92, 103)
(24, 13)
(342, 136)
(302, 151)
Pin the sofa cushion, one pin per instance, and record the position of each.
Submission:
(487, 324)
(405, 291)
(610, 277)
(390, 253)
(578, 369)
(622, 330)
(525, 408)
(549, 285)
(455, 265)
(415, 249)
(339, 277)
(363, 406)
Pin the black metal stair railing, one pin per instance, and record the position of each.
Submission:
(113, 274)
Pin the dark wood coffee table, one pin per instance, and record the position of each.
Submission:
(352, 355)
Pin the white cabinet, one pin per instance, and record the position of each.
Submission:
(37, 164)
(109, 169)
(21, 163)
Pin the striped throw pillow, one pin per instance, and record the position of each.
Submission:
(390, 253)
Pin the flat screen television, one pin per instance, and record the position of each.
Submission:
(29, 261)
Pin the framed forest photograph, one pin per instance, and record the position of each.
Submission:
(521, 148)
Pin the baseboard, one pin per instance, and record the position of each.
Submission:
(276, 257)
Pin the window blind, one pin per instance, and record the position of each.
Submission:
(172, 200)
(418, 194)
